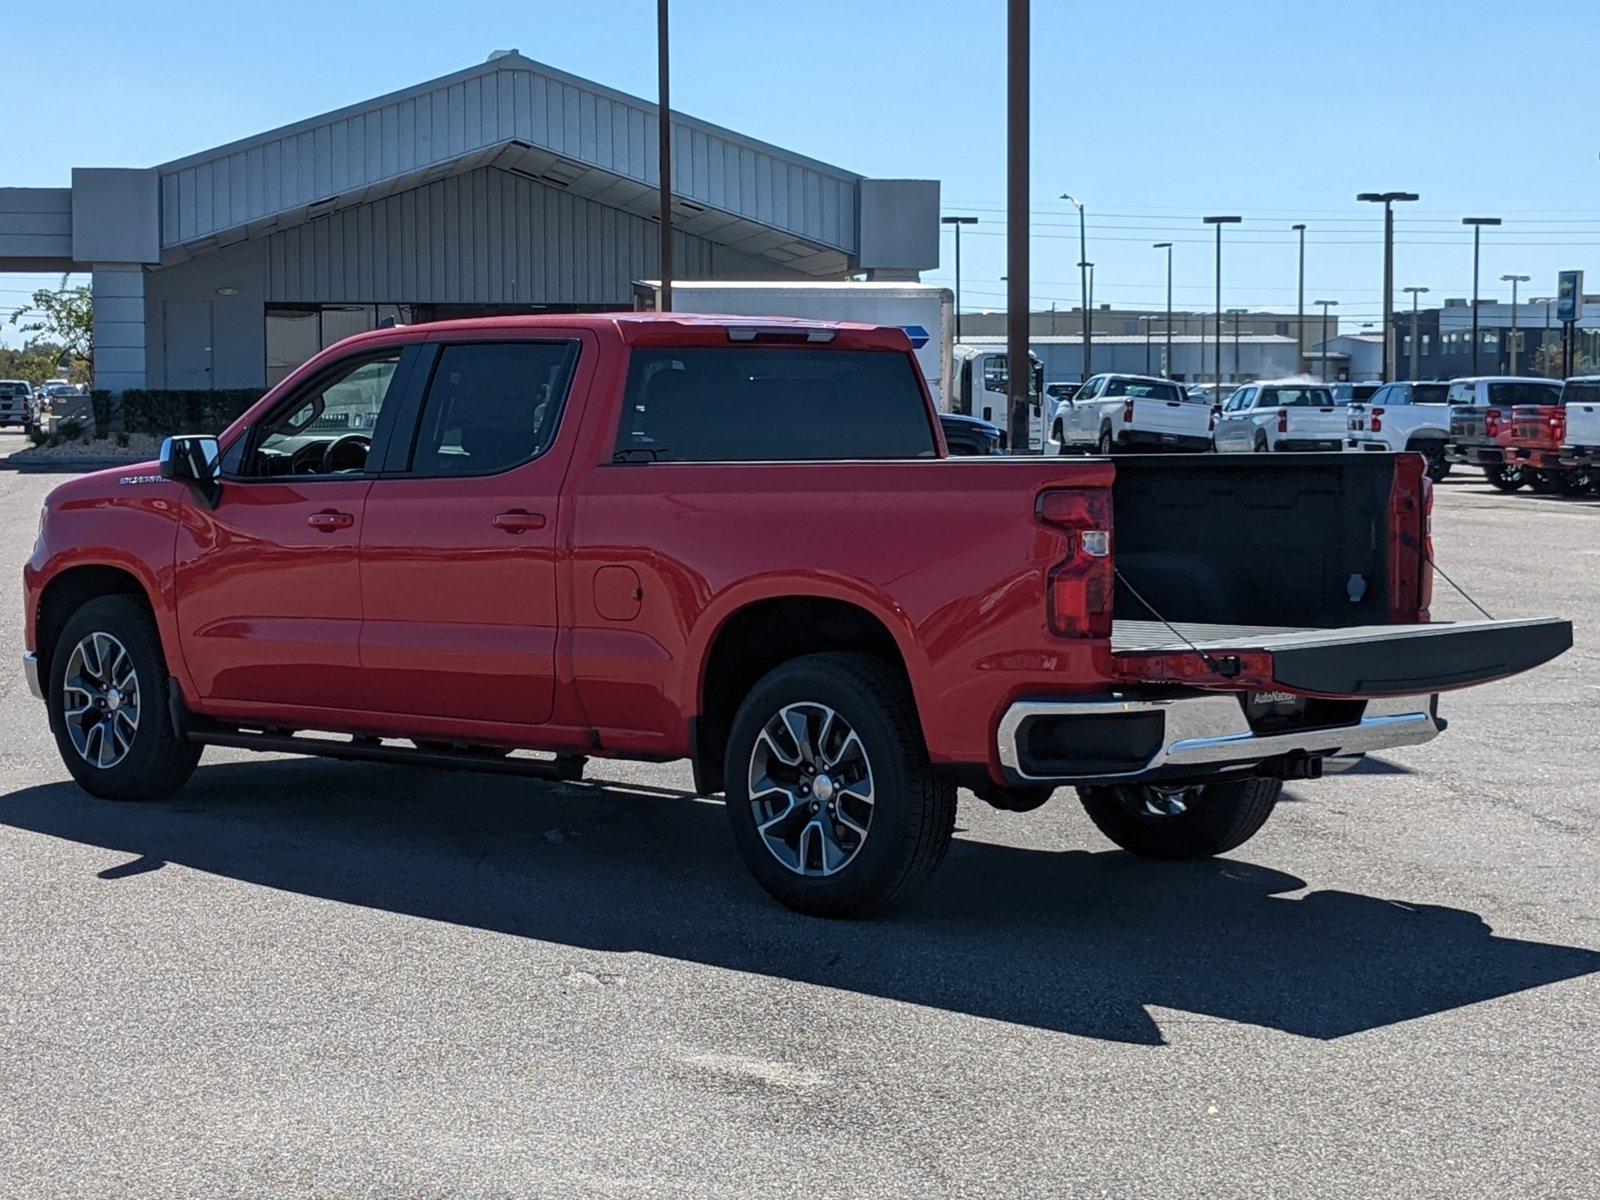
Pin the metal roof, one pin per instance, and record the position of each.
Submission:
(529, 119)
(1130, 339)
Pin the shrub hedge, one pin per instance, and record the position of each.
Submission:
(162, 412)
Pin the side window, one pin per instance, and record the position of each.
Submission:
(1384, 395)
(327, 429)
(996, 376)
(1092, 388)
(491, 406)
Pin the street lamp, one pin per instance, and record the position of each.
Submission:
(1300, 301)
(1387, 199)
(1167, 246)
(1415, 292)
(1236, 313)
(1326, 305)
(1513, 280)
(1083, 286)
(957, 223)
(1145, 321)
(1219, 222)
(1477, 224)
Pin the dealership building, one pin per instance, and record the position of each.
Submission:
(509, 187)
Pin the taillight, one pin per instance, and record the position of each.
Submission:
(1425, 568)
(1283, 420)
(1127, 412)
(1491, 422)
(1377, 420)
(1558, 425)
(1082, 584)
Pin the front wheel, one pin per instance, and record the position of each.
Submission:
(1506, 479)
(108, 696)
(831, 800)
(1197, 821)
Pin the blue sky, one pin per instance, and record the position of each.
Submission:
(1154, 112)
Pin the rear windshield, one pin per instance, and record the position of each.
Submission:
(1581, 393)
(761, 404)
(1524, 393)
(13, 389)
(1143, 389)
(1429, 393)
(1295, 397)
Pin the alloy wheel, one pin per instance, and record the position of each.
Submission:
(811, 789)
(100, 700)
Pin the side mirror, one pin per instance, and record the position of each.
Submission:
(1216, 410)
(193, 460)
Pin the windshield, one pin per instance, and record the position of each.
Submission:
(1143, 389)
(1531, 392)
(1587, 392)
(1295, 397)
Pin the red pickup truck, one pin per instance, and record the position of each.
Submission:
(740, 541)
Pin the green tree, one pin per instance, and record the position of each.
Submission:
(63, 316)
(36, 361)
(1547, 359)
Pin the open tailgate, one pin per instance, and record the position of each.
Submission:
(1357, 661)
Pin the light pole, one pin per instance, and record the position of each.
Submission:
(1300, 301)
(1387, 199)
(1084, 266)
(1236, 313)
(1219, 222)
(664, 154)
(1167, 246)
(1477, 224)
(1513, 280)
(1326, 305)
(1415, 345)
(1018, 172)
(1145, 321)
(956, 223)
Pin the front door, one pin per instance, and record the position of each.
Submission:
(458, 548)
(269, 589)
(186, 342)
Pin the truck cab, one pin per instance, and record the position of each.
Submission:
(981, 376)
(1279, 415)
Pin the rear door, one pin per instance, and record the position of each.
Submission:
(1233, 423)
(458, 570)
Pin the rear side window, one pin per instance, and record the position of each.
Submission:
(492, 406)
(1524, 393)
(762, 404)
(1429, 393)
(1462, 393)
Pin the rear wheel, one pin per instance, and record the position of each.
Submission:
(1261, 446)
(1181, 822)
(1433, 451)
(109, 692)
(1059, 436)
(831, 800)
(1105, 447)
(1507, 479)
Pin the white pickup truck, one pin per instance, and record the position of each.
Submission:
(1112, 414)
(1411, 415)
(1580, 396)
(1280, 415)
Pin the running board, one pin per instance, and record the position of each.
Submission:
(567, 768)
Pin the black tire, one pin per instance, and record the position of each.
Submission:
(1219, 817)
(1060, 437)
(1433, 451)
(1105, 447)
(1505, 479)
(1567, 483)
(913, 812)
(157, 761)
(1261, 446)
(1542, 483)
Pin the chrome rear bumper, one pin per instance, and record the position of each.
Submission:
(1206, 732)
(30, 672)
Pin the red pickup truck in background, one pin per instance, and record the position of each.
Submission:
(741, 542)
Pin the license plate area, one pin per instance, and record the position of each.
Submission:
(1282, 712)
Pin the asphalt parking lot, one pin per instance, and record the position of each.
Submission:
(303, 978)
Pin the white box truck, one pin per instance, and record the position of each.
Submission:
(925, 311)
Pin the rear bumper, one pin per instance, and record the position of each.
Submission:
(30, 672)
(1474, 455)
(1309, 444)
(1140, 439)
(1362, 443)
(1197, 735)
(1580, 456)
(1540, 459)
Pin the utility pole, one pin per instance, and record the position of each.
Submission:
(1018, 374)
(1477, 224)
(1326, 305)
(1415, 345)
(1219, 222)
(1083, 289)
(956, 223)
(1146, 320)
(1300, 301)
(1387, 199)
(1236, 313)
(1167, 246)
(664, 154)
(1513, 280)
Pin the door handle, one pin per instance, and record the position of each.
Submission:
(328, 520)
(518, 521)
